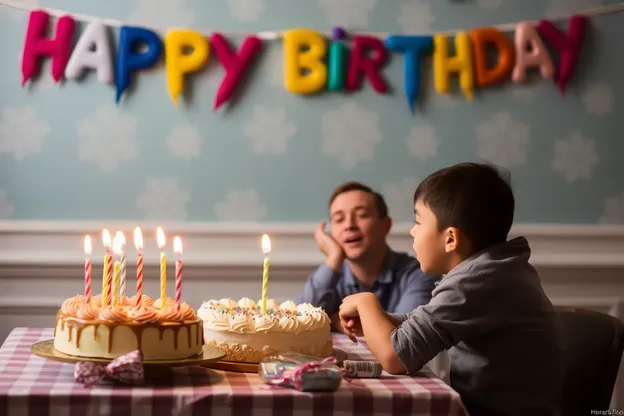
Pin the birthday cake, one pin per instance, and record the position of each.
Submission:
(161, 332)
(245, 334)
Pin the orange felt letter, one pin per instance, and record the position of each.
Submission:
(483, 37)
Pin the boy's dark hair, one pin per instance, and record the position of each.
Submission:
(379, 202)
(475, 197)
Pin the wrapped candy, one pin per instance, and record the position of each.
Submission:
(307, 373)
(301, 372)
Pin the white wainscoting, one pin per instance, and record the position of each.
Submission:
(41, 264)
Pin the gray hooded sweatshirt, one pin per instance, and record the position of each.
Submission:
(491, 314)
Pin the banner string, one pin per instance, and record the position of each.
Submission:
(273, 35)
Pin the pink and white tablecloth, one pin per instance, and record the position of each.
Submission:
(30, 385)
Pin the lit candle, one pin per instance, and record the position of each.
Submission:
(122, 265)
(107, 271)
(177, 248)
(87, 250)
(117, 252)
(160, 239)
(138, 243)
(266, 249)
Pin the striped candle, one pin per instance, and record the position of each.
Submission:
(177, 248)
(87, 249)
(122, 265)
(138, 243)
(107, 268)
(266, 249)
(107, 300)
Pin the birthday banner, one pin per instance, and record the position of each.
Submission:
(313, 62)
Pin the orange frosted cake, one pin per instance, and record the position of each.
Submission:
(159, 332)
(244, 334)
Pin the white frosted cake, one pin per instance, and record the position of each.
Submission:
(160, 332)
(244, 334)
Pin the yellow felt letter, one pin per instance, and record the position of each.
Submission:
(178, 62)
(311, 60)
(444, 65)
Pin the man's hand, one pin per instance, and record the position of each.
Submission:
(334, 255)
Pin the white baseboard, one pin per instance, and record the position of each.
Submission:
(225, 244)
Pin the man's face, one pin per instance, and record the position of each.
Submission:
(428, 241)
(355, 224)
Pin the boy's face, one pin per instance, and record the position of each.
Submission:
(355, 224)
(428, 241)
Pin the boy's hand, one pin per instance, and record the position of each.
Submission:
(334, 255)
(349, 314)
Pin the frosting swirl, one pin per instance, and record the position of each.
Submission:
(158, 303)
(241, 323)
(188, 314)
(289, 324)
(145, 301)
(144, 315)
(115, 314)
(246, 303)
(228, 303)
(271, 304)
(71, 306)
(263, 323)
(88, 312)
(170, 314)
(288, 305)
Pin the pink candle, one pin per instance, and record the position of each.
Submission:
(87, 250)
(177, 248)
(138, 243)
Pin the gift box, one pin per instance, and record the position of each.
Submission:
(301, 372)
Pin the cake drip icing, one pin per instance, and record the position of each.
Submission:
(245, 316)
(76, 308)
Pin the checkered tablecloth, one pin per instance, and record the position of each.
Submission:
(33, 386)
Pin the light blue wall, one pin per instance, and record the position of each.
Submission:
(67, 153)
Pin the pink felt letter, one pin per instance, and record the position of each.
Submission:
(37, 45)
(235, 64)
(360, 64)
(527, 36)
(569, 46)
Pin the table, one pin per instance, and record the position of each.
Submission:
(30, 385)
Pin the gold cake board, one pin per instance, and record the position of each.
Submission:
(152, 368)
(240, 367)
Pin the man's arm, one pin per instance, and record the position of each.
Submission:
(321, 289)
(416, 290)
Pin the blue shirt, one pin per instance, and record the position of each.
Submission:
(401, 287)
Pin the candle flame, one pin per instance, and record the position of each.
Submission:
(138, 239)
(106, 238)
(121, 237)
(160, 238)
(177, 245)
(266, 244)
(117, 246)
(87, 245)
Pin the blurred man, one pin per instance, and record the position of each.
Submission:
(358, 258)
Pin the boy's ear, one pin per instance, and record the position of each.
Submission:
(451, 239)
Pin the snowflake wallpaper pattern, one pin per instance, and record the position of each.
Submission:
(68, 152)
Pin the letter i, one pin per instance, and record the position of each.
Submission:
(337, 61)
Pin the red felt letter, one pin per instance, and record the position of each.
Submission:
(569, 46)
(37, 45)
(360, 64)
(234, 64)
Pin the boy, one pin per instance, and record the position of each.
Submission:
(489, 309)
